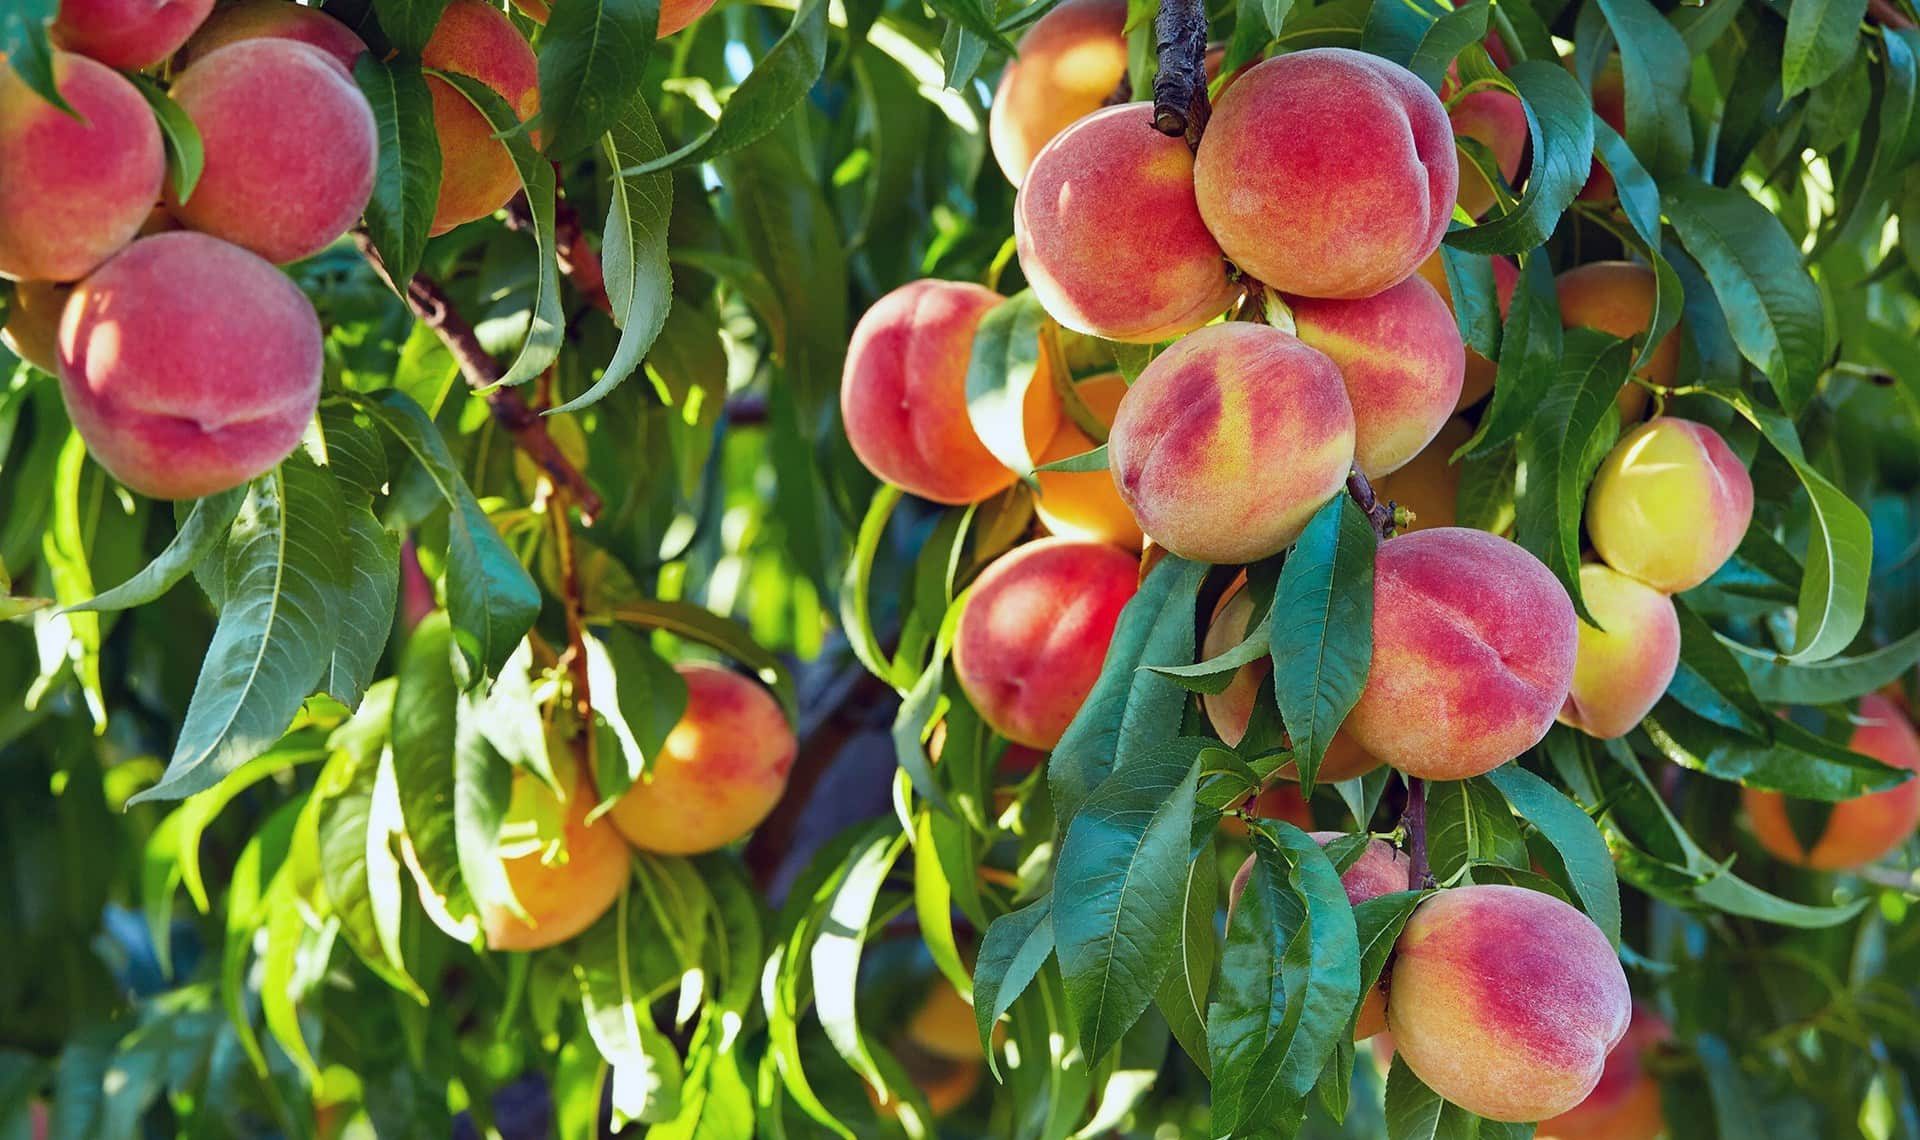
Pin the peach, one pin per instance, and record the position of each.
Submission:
(565, 872)
(1498, 121)
(1669, 504)
(1506, 1001)
(1035, 631)
(32, 331)
(1621, 669)
(944, 1024)
(1230, 440)
(477, 175)
(1109, 237)
(189, 365)
(1473, 654)
(1429, 485)
(946, 1085)
(1401, 356)
(1861, 830)
(1071, 61)
(674, 14)
(290, 147)
(1617, 297)
(127, 34)
(1480, 371)
(1625, 1105)
(1610, 104)
(1086, 504)
(903, 393)
(1327, 173)
(280, 19)
(73, 190)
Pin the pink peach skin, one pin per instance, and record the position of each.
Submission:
(477, 175)
(1623, 667)
(1859, 831)
(1625, 1105)
(127, 34)
(1071, 61)
(279, 19)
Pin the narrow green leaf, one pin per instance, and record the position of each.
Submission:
(593, 61)
(1011, 954)
(206, 525)
(1183, 994)
(1560, 124)
(1778, 681)
(1006, 357)
(1468, 821)
(836, 953)
(186, 155)
(1655, 70)
(424, 732)
(1530, 357)
(642, 698)
(1321, 629)
(1573, 834)
(406, 177)
(408, 24)
(1822, 36)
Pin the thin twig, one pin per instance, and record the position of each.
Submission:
(1379, 513)
(1180, 106)
(1414, 820)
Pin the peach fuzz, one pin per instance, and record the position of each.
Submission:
(1473, 654)
(1034, 634)
(1327, 173)
(1478, 381)
(1429, 485)
(1230, 440)
(73, 191)
(1109, 192)
(1617, 297)
(1625, 1105)
(477, 175)
(1400, 354)
(1086, 504)
(1506, 1001)
(1071, 60)
(564, 872)
(1622, 668)
(721, 770)
(903, 394)
(1861, 830)
(32, 330)
(1669, 504)
(189, 365)
(127, 34)
(278, 19)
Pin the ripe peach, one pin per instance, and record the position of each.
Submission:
(1617, 297)
(1035, 631)
(189, 365)
(674, 14)
(1621, 669)
(1862, 830)
(1473, 654)
(1506, 1001)
(1327, 173)
(1670, 504)
(1499, 122)
(1071, 60)
(127, 34)
(944, 1024)
(564, 872)
(1229, 442)
(903, 394)
(73, 191)
(280, 19)
(1401, 356)
(1107, 192)
(32, 331)
(477, 175)
(1610, 104)
(1625, 1105)
(1086, 504)
(1429, 485)
(720, 772)
(1480, 371)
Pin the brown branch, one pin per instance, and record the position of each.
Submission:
(1180, 106)
(1888, 14)
(433, 308)
(1414, 820)
(1380, 514)
(575, 254)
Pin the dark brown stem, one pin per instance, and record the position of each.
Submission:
(1414, 819)
(433, 308)
(1379, 513)
(1888, 14)
(575, 254)
(1180, 106)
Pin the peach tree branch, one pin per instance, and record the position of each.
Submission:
(1180, 106)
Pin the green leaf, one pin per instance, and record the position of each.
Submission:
(856, 615)
(186, 155)
(406, 177)
(372, 554)
(425, 729)
(1778, 681)
(695, 623)
(358, 870)
(408, 24)
(647, 1072)
(23, 44)
(1476, 299)
(836, 953)
(1416, 1112)
(1794, 762)
(1377, 923)
(1093, 460)
(1016, 945)
(1530, 357)
(642, 698)
(1006, 357)
(1655, 70)
(1560, 124)
(593, 61)
(1182, 998)
(1709, 681)
(1822, 36)
(1119, 884)
(206, 525)
(1321, 629)
(482, 787)
(1468, 821)
(1572, 833)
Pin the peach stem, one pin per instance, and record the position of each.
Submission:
(1180, 104)
(1414, 820)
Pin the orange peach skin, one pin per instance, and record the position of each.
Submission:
(1669, 504)
(73, 191)
(720, 772)
(1071, 60)
(127, 34)
(1859, 831)
(944, 1025)
(32, 331)
(1086, 504)
(1429, 486)
(1617, 297)
(1035, 632)
(477, 174)
(565, 887)
(1111, 192)
(1401, 356)
(1327, 173)
(279, 19)
(1506, 1001)
(1625, 1105)
(1610, 104)
(1229, 442)
(903, 394)
(674, 14)
(189, 365)
(1473, 654)
(1622, 668)
(1480, 372)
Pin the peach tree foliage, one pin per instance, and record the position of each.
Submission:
(329, 764)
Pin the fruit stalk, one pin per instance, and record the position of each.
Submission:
(1379, 512)
(1414, 821)
(1180, 106)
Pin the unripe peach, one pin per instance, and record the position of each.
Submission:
(1429, 486)
(279, 19)
(477, 175)
(1622, 668)
(1071, 61)
(1086, 504)
(1480, 371)
(564, 872)
(1625, 1105)
(1473, 654)
(1400, 354)
(73, 190)
(903, 394)
(127, 34)
(722, 769)
(189, 365)
(1617, 297)
(1327, 173)
(1862, 830)
(1506, 1001)
(1229, 442)
(1109, 237)
(32, 331)
(1670, 504)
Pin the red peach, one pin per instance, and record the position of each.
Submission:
(127, 34)
(1862, 830)
(1625, 1105)
(1071, 61)
(1610, 104)
(477, 175)
(280, 19)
